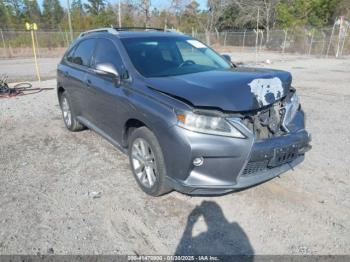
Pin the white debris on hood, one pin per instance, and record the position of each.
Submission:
(267, 90)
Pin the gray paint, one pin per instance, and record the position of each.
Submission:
(106, 108)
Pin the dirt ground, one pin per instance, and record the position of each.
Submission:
(48, 176)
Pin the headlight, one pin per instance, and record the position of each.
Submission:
(291, 107)
(207, 124)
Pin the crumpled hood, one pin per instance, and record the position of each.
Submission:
(239, 89)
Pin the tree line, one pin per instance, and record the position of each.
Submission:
(184, 15)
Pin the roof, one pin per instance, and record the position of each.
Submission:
(132, 32)
(126, 34)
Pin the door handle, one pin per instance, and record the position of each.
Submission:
(66, 73)
(88, 82)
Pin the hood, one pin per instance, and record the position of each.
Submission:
(236, 90)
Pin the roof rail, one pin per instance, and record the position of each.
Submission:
(115, 30)
(105, 29)
(138, 28)
(171, 30)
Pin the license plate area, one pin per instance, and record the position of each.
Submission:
(283, 155)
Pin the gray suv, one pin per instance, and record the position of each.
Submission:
(188, 118)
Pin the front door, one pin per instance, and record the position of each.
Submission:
(108, 96)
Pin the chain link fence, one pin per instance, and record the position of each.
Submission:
(15, 43)
(327, 42)
(315, 42)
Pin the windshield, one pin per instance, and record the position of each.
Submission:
(169, 56)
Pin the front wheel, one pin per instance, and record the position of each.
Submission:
(147, 162)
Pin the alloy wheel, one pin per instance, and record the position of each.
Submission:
(144, 162)
(67, 114)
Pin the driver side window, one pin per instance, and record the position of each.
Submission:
(106, 53)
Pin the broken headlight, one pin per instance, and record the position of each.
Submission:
(291, 108)
(212, 125)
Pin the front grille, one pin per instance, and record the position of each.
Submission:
(253, 168)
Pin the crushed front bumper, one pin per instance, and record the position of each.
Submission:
(230, 163)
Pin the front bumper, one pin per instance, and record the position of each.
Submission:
(243, 182)
(229, 163)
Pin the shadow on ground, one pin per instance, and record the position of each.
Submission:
(221, 237)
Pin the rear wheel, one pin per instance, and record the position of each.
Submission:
(147, 162)
(68, 114)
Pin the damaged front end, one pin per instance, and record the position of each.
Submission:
(237, 148)
(279, 134)
(267, 122)
(273, 120)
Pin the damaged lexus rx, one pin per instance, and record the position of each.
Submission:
(187, 117)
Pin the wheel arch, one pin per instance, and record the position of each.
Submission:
(60, 91)
(130, 125)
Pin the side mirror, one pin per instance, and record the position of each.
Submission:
(108, 70)
(227, 57)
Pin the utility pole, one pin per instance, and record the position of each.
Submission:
(330, 39)
(339, 35)
(3, 40)
(119, 14)
(257, 37)
(70, 22)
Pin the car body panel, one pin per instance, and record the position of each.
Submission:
(107, 107)
(227, 90)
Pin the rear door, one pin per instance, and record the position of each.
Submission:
(77, 65)
(109, 99)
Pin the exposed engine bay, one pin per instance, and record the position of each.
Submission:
(267, 122)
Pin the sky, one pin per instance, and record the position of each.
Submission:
(160, 4)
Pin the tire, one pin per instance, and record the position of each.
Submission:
(147, 162)
(68, 114)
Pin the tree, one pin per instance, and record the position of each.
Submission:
(128, 13)
(52, 13)
(173, 12)
(228, 18)
(5, 17)
(306, 12)
(106, 17)
(215, 11)
(206, 20)
(342, 9)
(144, 6)
(14, 9)
(77, 7)
(248, 11)
(78, 16)
(184, 15)
(190, 17)
(94, 7)
(31, 11)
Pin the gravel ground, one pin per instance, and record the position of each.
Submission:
(48, 176)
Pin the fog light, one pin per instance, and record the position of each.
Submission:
(198, 161)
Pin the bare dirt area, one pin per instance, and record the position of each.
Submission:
(48, 177)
